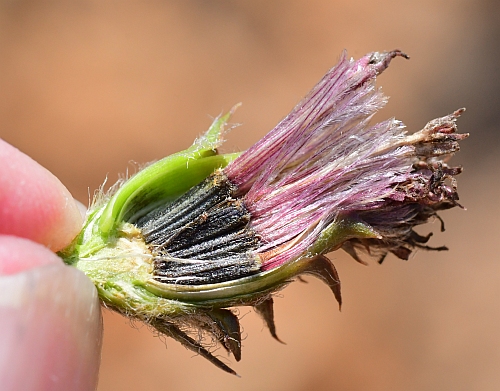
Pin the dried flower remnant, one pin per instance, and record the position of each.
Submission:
(187, 238)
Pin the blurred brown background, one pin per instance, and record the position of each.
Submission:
(86, 87)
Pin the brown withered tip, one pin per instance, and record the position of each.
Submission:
(399, 53)
(381, 60)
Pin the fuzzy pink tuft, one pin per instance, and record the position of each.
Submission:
(324, 159)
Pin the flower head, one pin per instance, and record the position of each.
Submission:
(196, 233)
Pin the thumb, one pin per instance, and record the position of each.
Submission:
(50, 328)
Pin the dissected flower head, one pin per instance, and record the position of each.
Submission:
(196, 233)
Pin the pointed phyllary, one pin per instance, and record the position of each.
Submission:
(196, 233)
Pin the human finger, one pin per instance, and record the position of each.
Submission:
(50, 324)
(34, 204)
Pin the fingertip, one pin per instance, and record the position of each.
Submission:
(34, 204)
(50, 330)
(20, 254)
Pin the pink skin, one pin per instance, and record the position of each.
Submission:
(34, 204)
(50, 319)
